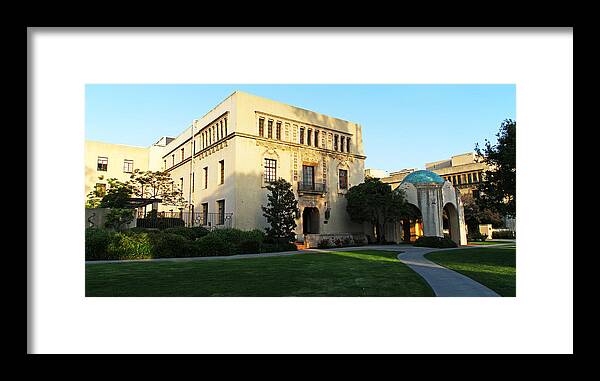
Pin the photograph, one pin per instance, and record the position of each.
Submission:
(400, 190)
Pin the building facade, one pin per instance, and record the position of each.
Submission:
(224, 161)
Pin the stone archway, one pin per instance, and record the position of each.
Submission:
(451, 214)
(310, 220)
(412, 228)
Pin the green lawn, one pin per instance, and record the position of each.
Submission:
(333, 273)
(493, 267)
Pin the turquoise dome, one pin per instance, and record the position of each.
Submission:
(423, 177)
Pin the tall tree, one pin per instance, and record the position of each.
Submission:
(374, 201)
(498, 190)
(281, 211)
(157, 185)
(475, 215)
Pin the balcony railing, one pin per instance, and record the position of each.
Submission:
(184, 218)
(318, 188)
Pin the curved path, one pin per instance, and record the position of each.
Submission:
(443, 281)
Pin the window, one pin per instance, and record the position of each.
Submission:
(225, 126)
(347, 144)
(128, 166)
(102, 163)
(205, 177)
(205, 213)
(301, 135)
(182, 154)
(173, 158)
(316, 138)
(261, 127)
(221, 123)
(101, 189)
(343, 179)
(220, 212)
(181, 184)
(459, 179)
(308, 176)
(342, 144)
(278, 131)
(194, 147)
(454, 180)
(335, 143)
(222, 167)
(270, 129)
(165, 162)
(469, 178)
(309, 137)
(270, 170)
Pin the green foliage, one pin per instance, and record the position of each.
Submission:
(169, 245)
(434, 241)
(324, 244)
(117, 218)
(281, 211)
(117, 195)
(476, 236)
(374, 201)
(498, 190)
(191, 233)
(129, 246)
(96, 242)
(277, 247)
(157, 185)
(214, 245)
(476, 215)
(503, 234)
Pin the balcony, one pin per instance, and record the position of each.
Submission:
(311, 188)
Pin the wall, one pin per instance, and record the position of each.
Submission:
(96, 217)
(116, 154)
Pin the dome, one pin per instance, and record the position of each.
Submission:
(423, 177)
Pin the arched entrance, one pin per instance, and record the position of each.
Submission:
(412, 228)
(310, 220)
(450, 217)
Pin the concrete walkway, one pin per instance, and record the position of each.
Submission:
(443, 281)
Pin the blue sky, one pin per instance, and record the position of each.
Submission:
(404, 126)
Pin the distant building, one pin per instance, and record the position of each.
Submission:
(376, 173)
(463, 171)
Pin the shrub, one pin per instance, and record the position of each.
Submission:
(125, 245)
(96, 242)
(248, 247)
(192, 233)
(170, 245)
(214, 245)
(118, 218)
(503, 234)
(324, 244)
(476, 237)
(278, 247)
(337, 242)
(433, 241)
(347, 241)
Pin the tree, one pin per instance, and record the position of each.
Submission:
(157, 185)
(374, 201)
(281, 211)
(498, 190)
(475, 215)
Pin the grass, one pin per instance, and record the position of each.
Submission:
(332, 273)
(493, 267)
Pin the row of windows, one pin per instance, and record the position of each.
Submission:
(103, 164)
(308, 174)
(207, 137)
(465, 178)
(307, 136)
(205, 176)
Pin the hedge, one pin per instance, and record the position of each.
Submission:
(503, 234)
(434, 241)
(138, 243)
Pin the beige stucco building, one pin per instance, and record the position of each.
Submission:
(224, 160)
